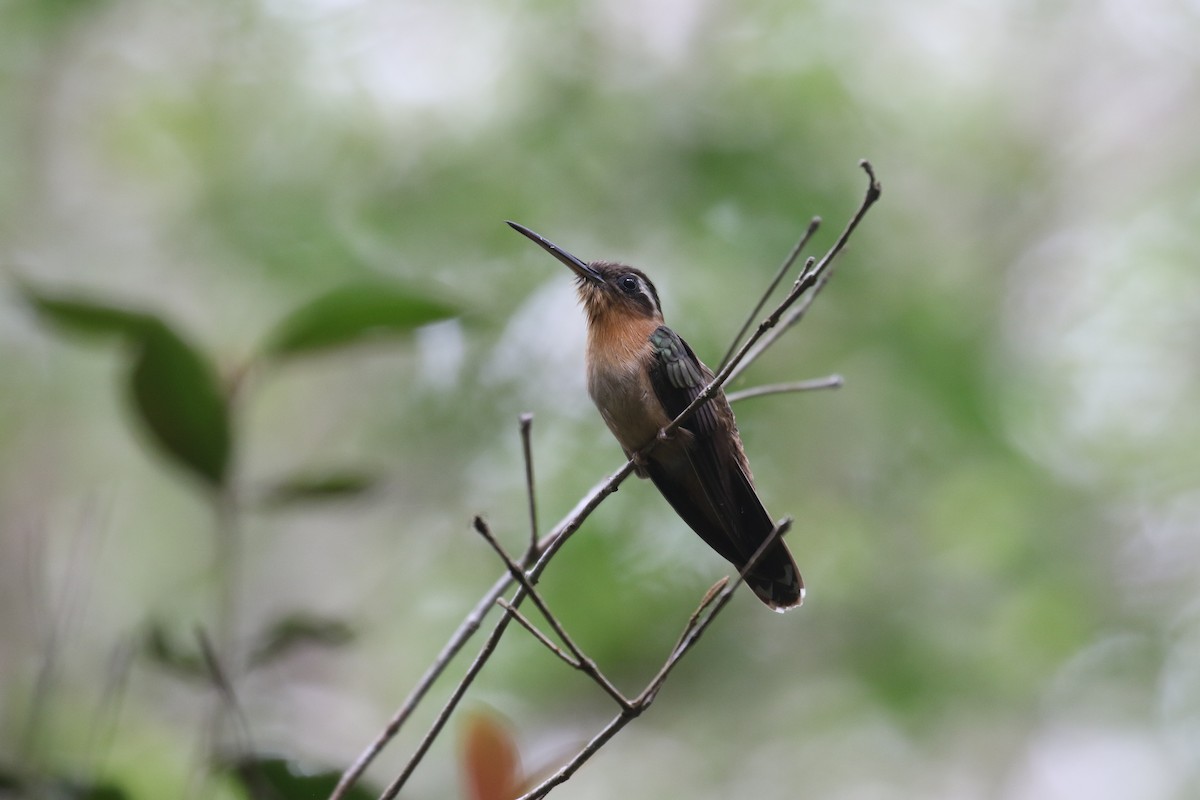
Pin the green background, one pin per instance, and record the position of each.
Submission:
(998, 516)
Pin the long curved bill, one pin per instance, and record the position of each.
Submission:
(577, 265)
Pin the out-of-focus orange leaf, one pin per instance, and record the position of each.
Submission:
(490, 760)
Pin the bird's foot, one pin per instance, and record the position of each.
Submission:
(639, 464)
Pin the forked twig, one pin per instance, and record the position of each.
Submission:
(580, 659)
(534, 631)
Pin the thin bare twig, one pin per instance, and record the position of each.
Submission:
(800, 244)
(828, 382)
(709, 596)
(527, 450)
(528, 625)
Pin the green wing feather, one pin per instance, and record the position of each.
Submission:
(709, 486)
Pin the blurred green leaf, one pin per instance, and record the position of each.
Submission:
(319, 487)
(173, 387)
(75, 314)
(58, 788)
(50, 16)
(175, 391)
(350, 313)
(163, 651)
(274, 778)
(10, 780)
(296, 630)
(93, 791)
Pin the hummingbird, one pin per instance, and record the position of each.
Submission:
(641, 375)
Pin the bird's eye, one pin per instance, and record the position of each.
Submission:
(628, 284)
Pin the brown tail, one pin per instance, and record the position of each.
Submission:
(733, 522)
(776, 580)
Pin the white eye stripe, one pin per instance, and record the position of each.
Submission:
(632, 284)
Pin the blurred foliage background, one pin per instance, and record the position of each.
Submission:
(998, 516)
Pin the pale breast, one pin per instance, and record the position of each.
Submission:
(619, 354)
(627, 402)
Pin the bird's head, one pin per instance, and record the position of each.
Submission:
(605, 289)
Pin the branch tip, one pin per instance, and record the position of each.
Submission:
(875, 188)
(828, 382)
(713, 592)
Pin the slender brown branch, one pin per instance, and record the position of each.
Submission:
(828, 382)
(800, 244)
(527, 450)
(548, 546)
(546, 641)
(874, 190)
(709, 596)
